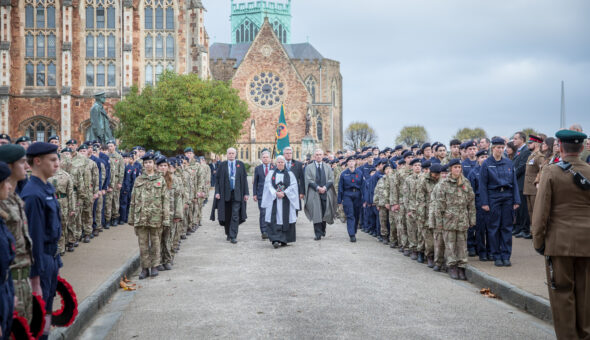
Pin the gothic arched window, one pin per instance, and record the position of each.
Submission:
(160, 39)
(310, 83)
(39, 128)
(320, 129)
(40, 43)
(101, 43)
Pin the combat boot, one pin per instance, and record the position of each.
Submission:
(154, 272)
(462, 274)
(114, 222)
(380, 238)
(160, 268)
(436, 268)
(144, 273)
(430, 260)
(86, 239)
(420, 257)
(407, 252)
(414, 256)
(95, 232)
(453, 273)
(393, 244)
(167, 266)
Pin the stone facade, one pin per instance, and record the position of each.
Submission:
(308, 85)
(77, 48)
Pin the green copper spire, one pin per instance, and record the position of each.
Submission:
(248, 16)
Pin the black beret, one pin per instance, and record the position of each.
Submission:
(414, 161)
(407, 153)
(4, 136)
(71, 141)
(444, 168)
(454, 161)
(436, 168)
(387, 165)
(498, 141)
(463, 146)
(161, 159)
(22, 139)
(419, 152)
(402, 162)
(148, 156)
(66, 150)
(570, 136)
(11, 153)
(4, 171)
(398, 147)
(426, 164)
(111, 141)
(424, 146)
(455, 142)
(415, 146)
(83, 147)
(53, 138)
(351, 158)
(481, 153)
(41, 148)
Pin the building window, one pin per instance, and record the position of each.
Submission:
(40, 43)
(101, 44)
(160, 39)
(39, 128)
(310, 83)
(320, 129)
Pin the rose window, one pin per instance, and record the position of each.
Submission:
(266, 89)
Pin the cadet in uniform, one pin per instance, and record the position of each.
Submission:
(43, 215)
(561, 232)
(64, 191)
(499, 195)
(112, 199)
(533, 167)
(381, 200)
(7, 246)
(423, 193)
(126, 186)
(482, 217)
(409, 190)
(149, 210)
(14, 210)
(82, 177)
(349, 196)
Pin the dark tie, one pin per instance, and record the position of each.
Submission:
(265, 170)
(318, 175)
(232, 175)
(289, 165)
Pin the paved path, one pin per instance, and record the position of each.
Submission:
(332, 289)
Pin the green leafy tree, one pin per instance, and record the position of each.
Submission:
(468, 133)
(181, 111)
(359, 135)
(412, 134)
(530, 131)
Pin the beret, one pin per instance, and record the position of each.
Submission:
(463, 146)
(419, 152)
(53, 138)
(425, 145)
(402, 162)
(455, 142)
(41, 148)
(438, 146)
(4, 136)
(4, 171)
(88, 142)
(444, 168)
(454, 161)
(71, 141)
(22, 139)
(387, 165)
(398, 147)
(189, 149)
(151, 151)
(436, 168)
(481, 153)
(415, 146)
(83, 147)
(66, 150)
(11, 153)
(426, 164)
(414, 161)
(161, 159)
(407, 153)
(351, 158)
(393, 165)
(470, 143)
(498, 141)
(570, 136)
(111, 141)
(148, 157)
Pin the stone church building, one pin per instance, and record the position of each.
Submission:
(269, 71)
(56, 54)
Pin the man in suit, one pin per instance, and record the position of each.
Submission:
(214, 165)
(522, 227)
(231, 195)
(260, 173)
(296, 168)
(320, 195)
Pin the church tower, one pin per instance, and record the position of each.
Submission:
(247, 18)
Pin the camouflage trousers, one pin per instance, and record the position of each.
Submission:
(188, 217)
(439, 247)
(149, 246)
(98, 212)
(402, 232)
(166, 245)
(420, 233)
(111, 204)
(455, 247)
(428, 239)
(198, 211)
(412, 230)
(176, 231)
(86, 217)
(383, 220)
(24, 293)
(67, 229)
(392, 227)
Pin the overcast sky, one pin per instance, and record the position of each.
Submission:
(448, 64)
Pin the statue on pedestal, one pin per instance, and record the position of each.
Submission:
(100, 128)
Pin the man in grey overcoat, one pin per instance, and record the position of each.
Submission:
(320, 194)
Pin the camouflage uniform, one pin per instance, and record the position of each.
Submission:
(455, 211)
(415, 243)
(64, 190)
(111, 209)
(201, 186)
(396, 198)
(189, 195)
(94, 187)
(380, 199)
(339, 211)
(149, 210)
(168, 232)
(82, 177)
(176, 227)
(13, 212)
(423, 192)
(393, 237)
(436, 226)
(101, 200)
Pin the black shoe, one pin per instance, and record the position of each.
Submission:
(420, 257)
(183, 237)
(228, 238)
(276, 244)
(436, 268)
(317, 238)
(527, 235)
(520, 235)
(472, 253)
(234, 241)
(154, 272)
(106, 226)
(483, 258)
(86, 239)
(167, 266)
(264, 236)
(70, 249)
(507, 263)
(160, 268)
(76, 244)
(515, 231)
(499, 263)
(353, 239)
(114, 222)
(121, 222)
(144, 273)
(380, 238)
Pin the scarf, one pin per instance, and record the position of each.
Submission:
(281, 186)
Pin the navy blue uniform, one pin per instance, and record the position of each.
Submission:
(126, 193)
(7, 252)
(349, 195)
(371, 208)
(107, 181)
(482, 217)
(467, 166)
(43, 215)
(98, 162)
(498, 189)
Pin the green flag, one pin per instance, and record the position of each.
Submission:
(282, 133)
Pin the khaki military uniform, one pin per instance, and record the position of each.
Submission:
(560, 225)
(396, 198)
(339, 210)
(81, 175)
(149, 211)
(94, 187)
(533, 167)
(64, 190)
(423, 194)
(13, 211)
(111, 208)
(380, 199)
(189, 196)
(178, 212)
(100, 201)
(436, 226)
(415, 242)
